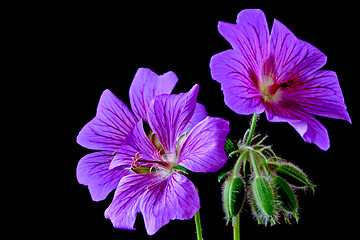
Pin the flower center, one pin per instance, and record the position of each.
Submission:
(140, 166)
(272, 88)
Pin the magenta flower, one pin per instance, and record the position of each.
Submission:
(143, 152)
(278, 74)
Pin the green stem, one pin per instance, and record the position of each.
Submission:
(238, 163)
(236, 227)
(254, 164)
(252, 128)
(198, 225)
(243, 155)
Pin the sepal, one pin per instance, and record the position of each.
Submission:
(264, 204)
(291, 174)
(286, 198)
(234, 192)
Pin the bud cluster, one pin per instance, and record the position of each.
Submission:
(268, 185)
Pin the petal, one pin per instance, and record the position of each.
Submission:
(249, 37)
(173, 198)
(93, 171)
(238, 82)
(169, 115)
(289, 54)
(311, 130)
(315, 133)
(109, 128)
(145, 86)
(136, 142)
(125, 205)
(320, 94)
(199, 115)
(203, 149)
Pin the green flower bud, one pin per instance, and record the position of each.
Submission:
(293, 175)
(286, 196)
(233, 196)
(264, 201)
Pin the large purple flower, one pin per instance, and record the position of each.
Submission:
(111, 125)
(278, 74)
(172, 136)
(142, 151)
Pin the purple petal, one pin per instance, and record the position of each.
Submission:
(136, 142)
(145, 86)
(93, 171)
(249, 37)
(315, 133)
(169, 115)
(109, 128)
(239, 82)
(203, 149)
(320, 94)
(199, 115)
(290, 54)
(173, 198)
(125, 205)
(311, 130)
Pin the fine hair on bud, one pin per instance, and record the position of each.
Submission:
(286, 199)
(233, 196)
(263, 201)
(292, 174)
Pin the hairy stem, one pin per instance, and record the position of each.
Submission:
(238, 163)
(254, 164)
(236, 226)
(252, 128)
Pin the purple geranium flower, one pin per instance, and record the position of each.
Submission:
(154, 150)
(278, 74)
(141, 152)
(111, 125)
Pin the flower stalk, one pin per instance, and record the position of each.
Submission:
(236, 170)
(252, 128)
(198, 225)
(236, 226)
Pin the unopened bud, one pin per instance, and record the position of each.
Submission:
(233, 196)
(264, 200)
(286, 196)
(292, 174)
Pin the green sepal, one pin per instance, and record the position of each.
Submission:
(237, 196)
(264, 196)
(222, 175)
(233, 196)
(286, 196)
(142, 170)
(181, 168)
(293, 175)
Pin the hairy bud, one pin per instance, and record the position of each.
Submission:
(264, 201)
(292, 174)
(233, 196)
(286, 197)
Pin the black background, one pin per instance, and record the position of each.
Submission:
(71, 53)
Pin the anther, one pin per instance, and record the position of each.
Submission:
(292, 83)
(135, 159)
